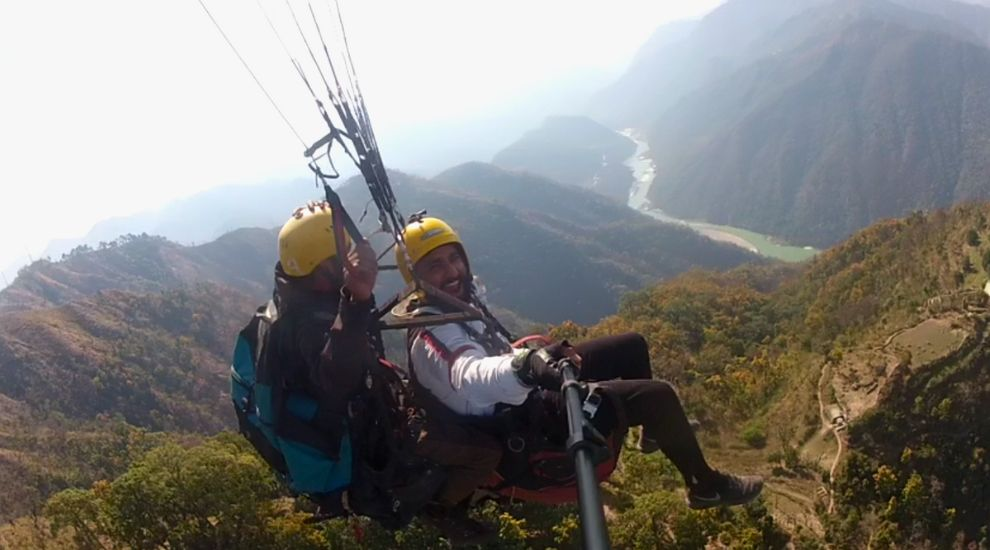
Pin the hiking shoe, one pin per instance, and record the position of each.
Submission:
(457, 527)
(727, 490)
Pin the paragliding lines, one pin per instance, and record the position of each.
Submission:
(354, 123)
(348, 121)
(251, 72)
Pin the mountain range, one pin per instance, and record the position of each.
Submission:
(513, 222)
(809, 120)
(855, 382)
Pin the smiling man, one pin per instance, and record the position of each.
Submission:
(466, 372)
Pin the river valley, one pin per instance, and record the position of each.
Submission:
(644, 174)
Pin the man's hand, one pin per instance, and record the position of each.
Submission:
(564, 349)
(538, 368)
(360, 271)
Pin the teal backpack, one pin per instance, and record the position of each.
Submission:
(293, 445)
(361, 464)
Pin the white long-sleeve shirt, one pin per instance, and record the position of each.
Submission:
(458, 371)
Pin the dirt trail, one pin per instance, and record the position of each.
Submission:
(834, 428)
(794, 505)
(791, 494)
(831, 472)
(892, 336)
(821, 402)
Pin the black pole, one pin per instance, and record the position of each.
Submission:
(338, 208)
(589, 498)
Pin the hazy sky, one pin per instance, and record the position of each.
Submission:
(112, 107)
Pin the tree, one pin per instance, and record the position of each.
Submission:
(215, 495)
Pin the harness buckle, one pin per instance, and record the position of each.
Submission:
(591, 404)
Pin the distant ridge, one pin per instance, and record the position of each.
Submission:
(576, 151)
(515, 223)
(242, 259)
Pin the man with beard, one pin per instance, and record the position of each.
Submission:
(466, 371)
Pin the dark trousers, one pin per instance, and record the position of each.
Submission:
(621, 365)
(625, 356)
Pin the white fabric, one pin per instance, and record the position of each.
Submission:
(474, 382)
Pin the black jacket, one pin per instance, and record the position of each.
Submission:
(322, 342)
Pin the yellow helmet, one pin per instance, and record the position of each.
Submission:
(307, 240)
(423, 236)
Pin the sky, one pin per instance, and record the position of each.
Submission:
(111, 107)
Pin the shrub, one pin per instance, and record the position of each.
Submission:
(755, 435)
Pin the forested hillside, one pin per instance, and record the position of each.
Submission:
(810, 120)
(242, 259)
(77, 381)
(897, 125)
(889, 328)
(757, 353)
(158, 360)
